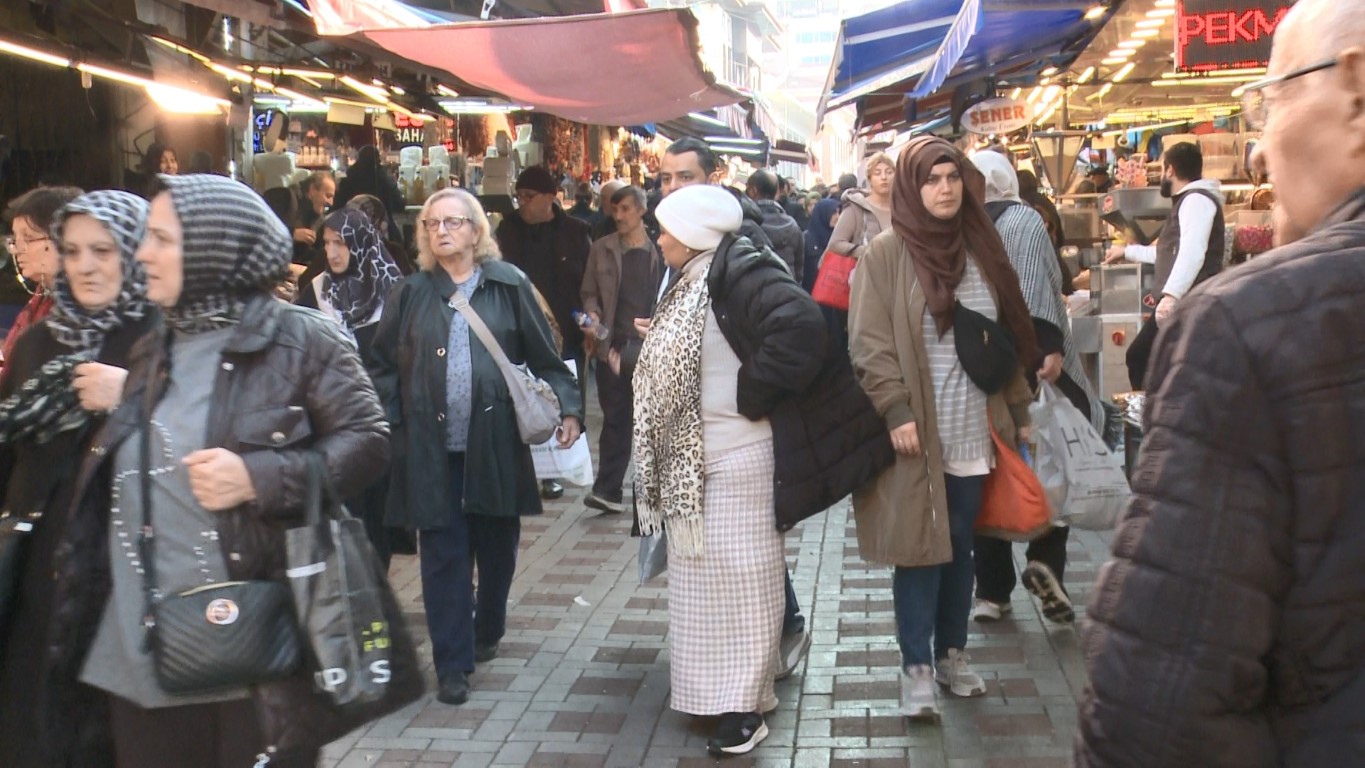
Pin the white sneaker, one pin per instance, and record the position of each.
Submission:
(988, 611)
(919, 695)
(954, 675)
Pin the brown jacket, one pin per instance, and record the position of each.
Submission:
(859, 223)
(602, 281)
(902, 516)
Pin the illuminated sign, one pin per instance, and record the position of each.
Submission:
(996, 116)
(1226, 34)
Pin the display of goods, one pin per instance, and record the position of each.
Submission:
(1254, 240)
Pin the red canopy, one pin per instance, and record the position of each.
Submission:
(603, 69)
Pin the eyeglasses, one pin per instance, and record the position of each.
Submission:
(1254, 108)
(451, 223)
(12, 241)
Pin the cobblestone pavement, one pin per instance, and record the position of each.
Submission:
(582, 680)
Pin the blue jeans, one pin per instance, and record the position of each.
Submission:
(448, 558)
(935, 601)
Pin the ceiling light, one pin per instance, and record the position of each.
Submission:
(445, 91)
(1095, 12)
(1049, 71)
(1206, 81)
(182, 102)
(1122, 73)
(1150, 24)
(376, 93)
(1161, 13)
(1164, 4)
(1050, 93)
(1113, 61)
(1145, 33)
(1086, 75)
(1034, 94)
(1133, 44)
(34, 54)
(1122, 53)
(1014, 94)
(1101, 93)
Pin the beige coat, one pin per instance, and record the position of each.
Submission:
(902, 516)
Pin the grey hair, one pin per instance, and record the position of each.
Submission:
(1339, 25)
(485, 247)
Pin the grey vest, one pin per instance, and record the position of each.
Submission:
(1169, 244)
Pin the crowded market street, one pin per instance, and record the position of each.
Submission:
(582, 678)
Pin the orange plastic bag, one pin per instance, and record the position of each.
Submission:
(1014, 506)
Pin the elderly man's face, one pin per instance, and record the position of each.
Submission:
(1313, 144)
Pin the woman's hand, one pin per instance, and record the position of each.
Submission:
(614, 361)
(1052, 368)
(1025, 434)
(641, 325)
(905, 439)
(99, 386)
(305, 236)
(569, 431)
(218, 479)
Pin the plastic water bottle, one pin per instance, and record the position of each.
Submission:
(584, 320)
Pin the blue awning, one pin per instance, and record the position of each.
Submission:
(923, 45)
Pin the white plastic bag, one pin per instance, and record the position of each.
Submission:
(1084, 481)
(571, 465)
(653, 555)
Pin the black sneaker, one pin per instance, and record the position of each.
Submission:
(550, 490)
(1042, 583)
(485, 653)
(599, 502)
(737, 734)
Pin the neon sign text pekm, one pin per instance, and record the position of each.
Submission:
(1222, 34)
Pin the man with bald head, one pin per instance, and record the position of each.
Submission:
(607, 224)
(1229, 629)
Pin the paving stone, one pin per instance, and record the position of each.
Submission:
(588, 684)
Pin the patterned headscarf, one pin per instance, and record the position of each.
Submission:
(234, 248)
(359, 292)
(124, 215)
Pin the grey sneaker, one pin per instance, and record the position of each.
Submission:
(919, 695)
(954, 675)
(603, 504)
(1042, 583)
(790, 653)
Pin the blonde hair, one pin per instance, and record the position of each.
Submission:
(878, 159)
(485, 247)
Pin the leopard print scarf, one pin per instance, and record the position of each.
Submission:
(670, 463)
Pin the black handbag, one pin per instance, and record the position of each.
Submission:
(217, 636)
(15, 531)
(985, 349)
(337, 584)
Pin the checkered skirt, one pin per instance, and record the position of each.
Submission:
(725, 606)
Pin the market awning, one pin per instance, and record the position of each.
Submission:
(543, 62)
(917, 47)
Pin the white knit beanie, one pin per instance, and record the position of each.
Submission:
(700, 216)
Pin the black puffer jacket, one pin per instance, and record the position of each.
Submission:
(827, 436)
(287, 383)
(788, 241)
(1229, 630)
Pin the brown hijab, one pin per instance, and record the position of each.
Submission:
(939, 247)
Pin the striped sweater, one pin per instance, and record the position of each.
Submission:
(963, 427)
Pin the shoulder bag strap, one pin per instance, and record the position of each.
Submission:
(476, 324)
(146, 537)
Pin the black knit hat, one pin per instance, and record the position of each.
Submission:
(537, 178)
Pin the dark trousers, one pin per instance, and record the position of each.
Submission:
(934, 602)
(1139, 352)
(457, 621)
(222, 735)
(368, 505)
(995, 562)
(617, 396)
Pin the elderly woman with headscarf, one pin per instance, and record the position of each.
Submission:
(941, 259)
(747, 422)
(1030, 251)
(226, 405)
(462, 476)
(35, 256)
(65, 374)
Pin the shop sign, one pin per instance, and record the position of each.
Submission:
(410, 131)
(1226, 34)
(996, 116)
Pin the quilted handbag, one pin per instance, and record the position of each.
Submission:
(217, 636)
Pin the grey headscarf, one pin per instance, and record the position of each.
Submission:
(234, 246)
(124, 215)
